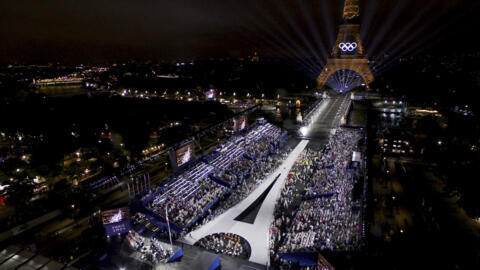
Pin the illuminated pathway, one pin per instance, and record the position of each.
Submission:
(257, 234)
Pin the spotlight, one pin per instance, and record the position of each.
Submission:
(304, 131)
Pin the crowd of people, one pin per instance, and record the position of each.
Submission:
(151, 250)
(190, 195)
(257, 145)
(182, 211)
(233, 173)
(249, 182)
(226, 243)
(316, 210)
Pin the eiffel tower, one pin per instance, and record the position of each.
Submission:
(348, 52)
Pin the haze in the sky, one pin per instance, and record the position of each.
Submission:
(87, 30)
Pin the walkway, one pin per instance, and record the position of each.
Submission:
(256, 234)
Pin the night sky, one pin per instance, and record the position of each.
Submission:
(82, 31)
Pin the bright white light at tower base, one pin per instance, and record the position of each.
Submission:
(304, 131)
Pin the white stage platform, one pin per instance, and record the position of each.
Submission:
(256, 234)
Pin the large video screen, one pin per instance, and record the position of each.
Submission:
(185, 154)
(115, 215)
(240, 123)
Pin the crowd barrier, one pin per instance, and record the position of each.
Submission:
(304, 259)
(317, 196)
(219, 181)
(177, 255)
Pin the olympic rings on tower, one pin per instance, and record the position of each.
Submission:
(347, 46)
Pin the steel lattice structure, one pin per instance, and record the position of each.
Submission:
(348, 52)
